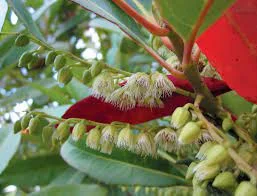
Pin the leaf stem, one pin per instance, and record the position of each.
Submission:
(152, 27)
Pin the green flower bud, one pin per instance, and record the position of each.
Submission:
(227, 124)
(62, 132)
(22, 40)
(34, 125)
(246, 188)
(204, 149)
(87, 77)
(33, 62)
(189, 133)
(64, 75)
(96, 68)
(166, 139)
(225, 180)
(17, 126)
(25, 59)
(254, 108)
(93, 138)
(180, 117)
(47, 134)
(126, 139)
(106, 147)
(25, 121)
(207, 172)
(78, 131)
(50, 57)
(217, 154)
(145, 144)
(109, 134)
(190, 171)
(199, 191)
(59, 62)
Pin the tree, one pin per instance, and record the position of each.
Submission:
(152, 114)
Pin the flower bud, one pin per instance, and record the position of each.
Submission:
(166, 139)
(87, 77)
(200, 191)
(62, 132)
(64, 75)
(93, 138)
(126, 139)
(47, 134)
(254, 108)
(22, 40)
(25, 121)
(180, 117)
(227, 124)
(225, 180)
(59, 62)
(34, 125)
(106, 147)
(207, 172)
(96, 68)
(25, 59)
(17, 126)
(217, 154)
(34, 62)
(145, 144)
(246, 188)
(190, 170)
(78, 131)
(189, 133)
(50, 57)
(109, 134)
(204, 149)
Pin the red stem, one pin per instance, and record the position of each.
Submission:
(153, 28)
(196, 55)
(166, 41)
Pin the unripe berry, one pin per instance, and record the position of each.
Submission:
(189, 133)
(64, 75)
(34, 125)
(204, 149)
(22, 40)
(225, 180)
(180, 117)
(59, 62)
(246, 188)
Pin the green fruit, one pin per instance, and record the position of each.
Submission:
(59, 62)
(62, 132)
(50, 57)
(47, 134)
(96, 68)
(17, 126)
(189, 133)
(246, 188)
(25, 121)
(180, 117)
(225, 180)
(78, 131)
(227, 124)
(87, 77)
(64, 75)
(22, 40)
(25, 59)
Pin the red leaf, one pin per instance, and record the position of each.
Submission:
(231, 46)
(96, 110)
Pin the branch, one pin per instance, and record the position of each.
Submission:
(153, 28)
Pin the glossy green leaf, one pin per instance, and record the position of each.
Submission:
(182, 15)
(104, 24)
(26, 18)
(120, 167)
(68, 176)
(77, 90)
(72, 189)
(9, 143)
(235, 103)
(144, 7)
(55, 111)
(33, 171)
(4, 9)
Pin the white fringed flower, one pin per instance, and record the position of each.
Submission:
(93, 138)
(103, 85)
(162, 86)
(109, 134)
(145, 145)
(205, 137)
(122, 98)
(166, 139)
(126, 139)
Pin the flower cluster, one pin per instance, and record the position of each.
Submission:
(140, 88)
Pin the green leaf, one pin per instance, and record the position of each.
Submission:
(104, 24)
(235, 104)
(9, 143)
(182, 15)
(4, 9)
(144, 7)
(72, 189)
(33, 171)
(119, 168)
(21, 11)
(56, 111)
(68, 176)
